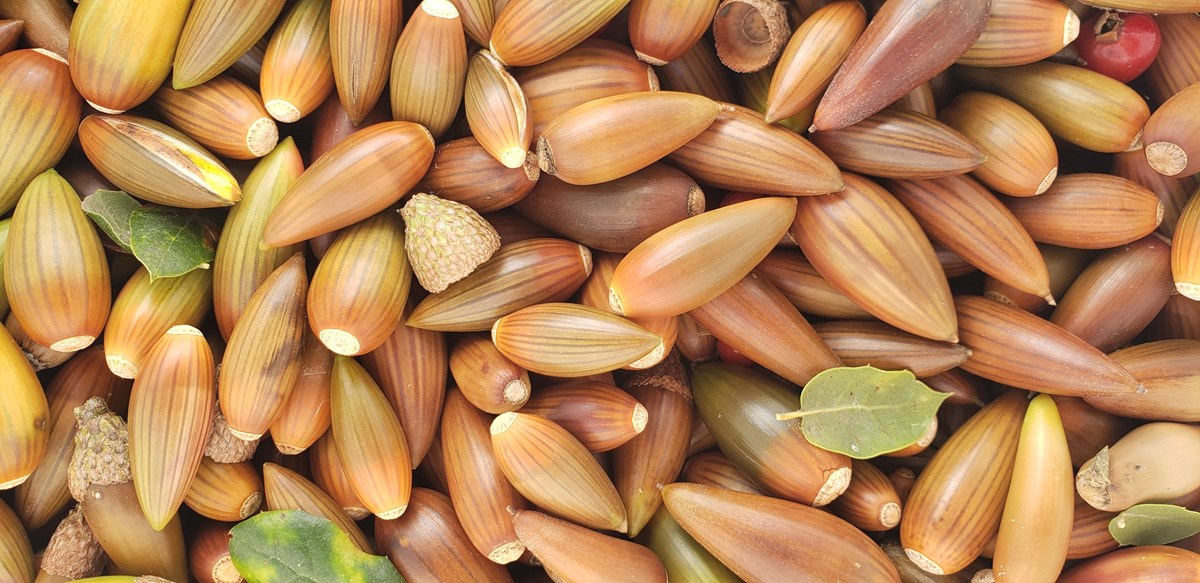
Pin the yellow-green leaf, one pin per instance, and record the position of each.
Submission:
(111, 210)
(294, 546)
(1154, 524)
(865, 412)
(169, 243)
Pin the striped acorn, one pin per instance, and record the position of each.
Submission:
(1089, 531)
(478, 16)
(1064, 265)
(595, 293)
(1089, 211)
(682, 556)
(241, 265)
(445, 241)
(1185, 247)
(297, 69)
(411, 368)
(755, 536)
(570, 552)
(24, 432)
(1141, 467)
(41, 497)
(749, 34)
(329, 474)
(39, 111)
(961, 214)
(55, 271)
(262, 359)
(694, 260)
(855, 240)
(1170, 148)
(371, 170)
(896, 143)
(1154, 563)
(1083, 107)
(360, 287)
(995, 124)
(226, 492)
(146, 308)
(462, 171)
(287, 490)
(47, 23)
(861, 343)
(1088, 429)
(713, 468)
(1019, 32)
(370, 441)
(170, 414)
(1036, 525)
(739, 405)
(610, 137)
(755, 319)
(216, 33)
(429, 544)
(1053, 360)
(362, 38)
(812, 57)
(222, 114)
(529, 32)
(331, 125)
(16, 554)
(754, 89)
(570, 340)
(1165, 368)
(489, 380)
(518, 275)
(497, 110)
(429, 67)
(1155, 6)
(120, 52)
(945, 526)
(10, 32)
(800, 283)
(601, 416)
(209, 560)
(870, 502)
(655, 455)
(896, 53)
(1173, 191)
(662, 31)
(156, 162)
(699, 71)
(556, 472)
(478, 488)
(1176, 66)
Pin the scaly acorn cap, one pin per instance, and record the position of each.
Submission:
(445, 240)
(73, 552)
(225, 446)
(101, 454)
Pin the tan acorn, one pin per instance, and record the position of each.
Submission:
(897, 143)
(1141, 468)
(699, 71)
(170, 414)
(215, 34)
(1089, 211)
(462, 171)
(55, 271)
(749, 34)
(812, 56)
(428, 543)
(1175, 67)
(570, 552)
(1019, 32)
(429, 67)
(601, 416)
(362, 39)
(223, 114)
(329, 474)
(16, 555)
(1173, 191)
(528, 32)
(226, 492)
(40, 109)
(754, 88)
(570, 340)
(120, 52)
(146, 308)
(994, 124)
(288, 490)
(859, 343)
(800, 283)
(478, 17)
(657, 43)
(497, 110)
(156, 162)
(1164, 368)
(445, 241)
(297, 69)
(487, 378)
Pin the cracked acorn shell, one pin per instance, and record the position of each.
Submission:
(1141, 468)
(55, 271)
(497, 110)
(216, 33)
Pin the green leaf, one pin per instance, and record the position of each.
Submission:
(168, 243)
(865, 412)
(1154, 524)
(285, 546)
(111, 211)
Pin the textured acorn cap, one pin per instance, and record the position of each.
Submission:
(73, 551)
(227, 446)
(101, 454)
(445, 240)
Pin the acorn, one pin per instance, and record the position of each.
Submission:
(681, 555)
(528, 32)
(1180, 318)
(10, 33)
(601, 416)
(477, 16)
(1155, 6)
(497, 110)
(329, 474)
(1089, 531)
(16, 555)
(209, 560)
(1089, 211)
(695, 343)
(1153, 562)
(1175, 67)
(487, 378)
(297, 69)
(699, 71)
(47, 22)
(55, 271)
(362, 38)
(223, 114)
(288, 490)
(570, 340)
(800, 283)
(463, 171)
(1089, 429)
(120, 52)
(428, 543)
(1173, 191)
(570, 552)
(811, 58)
(870, 502)
(735, 403)
(40, 356)
(749, 34)
(156, 162)
(713, 468)
(445, 240)
(860, 343)
(146, 308)
(1165, 369)
(39, 108)
(994, 124)
(753, 90)
(662, 31)
(226, 492)
(1140, 468)
(215, 34)
(73, 552)
(897, 143)
(1019, 32)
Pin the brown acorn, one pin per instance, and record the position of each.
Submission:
(995, 124)
(372, 170)
(1164, 368)
(695, 343)
(478, 16)
(428, 543)
(601, 416)
(800, 283)
(683, 557)
(262, 359)
(10, 33)
(860, 343)
(570, 552)
(749, 34)
(487, 378)
(1170, 148)
(1089, 211)
(216, 33)
(528, 32)
(1019, 32)
(699, 71)
(1089, 429)
(1175, 67)
(874, 233)
(1173, 191)
(812, 57)
(226, 492)
(47, 22)
(288, 490)
(209, 560)
(362, 39)
(297, 69)
(16, 555)
(555, 471)
(146, 308)
(897, 143)
(896, 53)
(156, 162)
(1089, 531)
(518, 275)
(570, 340)
(1154, 563)
(40, 109)
(170, 414)
(1081, 106)
(429, 66)
(497, 110)
(329, 474)
(712, 468)
(223, 114)
(1141, 467)
(870, 502)
(662, 31)
(121, 52)
(55, 271)
(981, 452)
(462, 171)
(241, 265)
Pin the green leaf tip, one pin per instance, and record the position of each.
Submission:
(1154, 524)
(286, 546)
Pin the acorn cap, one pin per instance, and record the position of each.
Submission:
(445, 240)
(73, 551)
(225, 445)
(101, 449)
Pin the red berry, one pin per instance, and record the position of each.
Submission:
(1119, 45)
